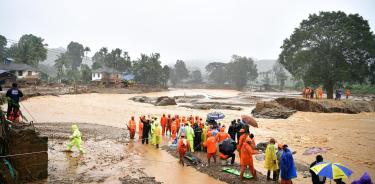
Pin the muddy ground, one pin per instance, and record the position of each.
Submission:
(214, 170)
(107, 159)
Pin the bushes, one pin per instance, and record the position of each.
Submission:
(362, 89)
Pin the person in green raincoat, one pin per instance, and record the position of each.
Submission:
(75, 139)
(190, 136)
(204, 133)
(157, 134)
(270, 162)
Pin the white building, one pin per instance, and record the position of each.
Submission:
(106, 74)
(21, 71)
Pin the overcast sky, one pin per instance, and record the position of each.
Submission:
(188, 29)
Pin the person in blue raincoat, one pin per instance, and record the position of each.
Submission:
(287, 167)
(75, 139)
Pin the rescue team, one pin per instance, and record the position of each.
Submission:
(192, 134)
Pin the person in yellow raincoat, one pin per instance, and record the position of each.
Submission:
(153, 121)
(75, 139)
(190, 136)
(157, 134)
(270, 162)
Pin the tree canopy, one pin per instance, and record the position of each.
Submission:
(29, 50)
(75, 53)
(148, 70)
(217, 72)
(240, 70)
(329, 48)
(3, 44)
(116, 59)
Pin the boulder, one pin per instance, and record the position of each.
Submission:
(271, 110)
(165, 100)
(142, 99)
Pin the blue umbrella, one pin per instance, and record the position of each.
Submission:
(215, 116)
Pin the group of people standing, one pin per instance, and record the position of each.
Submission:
(309, 92)
(191, 134)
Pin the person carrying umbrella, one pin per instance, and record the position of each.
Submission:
(335, 171)
(315, 178)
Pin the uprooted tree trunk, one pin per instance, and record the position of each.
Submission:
(329, 88)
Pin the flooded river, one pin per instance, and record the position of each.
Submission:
(347, 137)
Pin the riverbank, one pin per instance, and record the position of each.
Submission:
(348, 138)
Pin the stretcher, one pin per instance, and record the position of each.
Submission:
(236, 172)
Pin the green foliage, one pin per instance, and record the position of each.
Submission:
(85, 73)
(29, 50)
(280, 74)
(165, 75)
(75, 53)
(180, 72)
(147, 69)
(116, 59)
(217, 72)
(240, 70)
(329, 48)
(3, 44)
(362, 89)
(196, 76)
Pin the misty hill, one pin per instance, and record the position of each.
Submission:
(52, 55)
(264, 65)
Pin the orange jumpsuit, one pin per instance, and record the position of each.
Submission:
(140, 129)
(182, 147)
(246, 159)
(132, 128)
(221, 136)
(241, 141)
(163, 122)
(210, 143)
(178, 121)
(174, 130)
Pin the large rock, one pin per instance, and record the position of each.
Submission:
(271, 110)
(31, 149)
(327, 106)
(165, 100)
(142, 99)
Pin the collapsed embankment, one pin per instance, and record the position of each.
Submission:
(282, 108)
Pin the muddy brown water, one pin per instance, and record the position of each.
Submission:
(349, 137)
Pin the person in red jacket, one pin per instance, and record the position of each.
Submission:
(182, 147)
(169, 124)
(210, 143)
(163, 123)
(173, 129)
(132, 127)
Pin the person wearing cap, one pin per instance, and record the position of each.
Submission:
(182, 147)
(210, 144)
(270, 161)
(132, 127)
(246, 160)
(242, 139)
(287, 167)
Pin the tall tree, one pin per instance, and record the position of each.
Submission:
(147, 69)
(29, 50)
(196, 76)
(217, 72)
(330, 48)
(181, 71)
(240, 70)
(85, 73)
(280, 74)
(165, 76)
(75, 53)
(3, 44)
(99, 58)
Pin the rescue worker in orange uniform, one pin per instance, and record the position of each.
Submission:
(182, 147)
(169, 124)
(210, 144)
(246, 159)
(163, 123)
(241, 141)
(222, 135)
(347, 93)
(132, 127)
(183, 120)
(140, 128)
(178, 121)
(173, 129)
